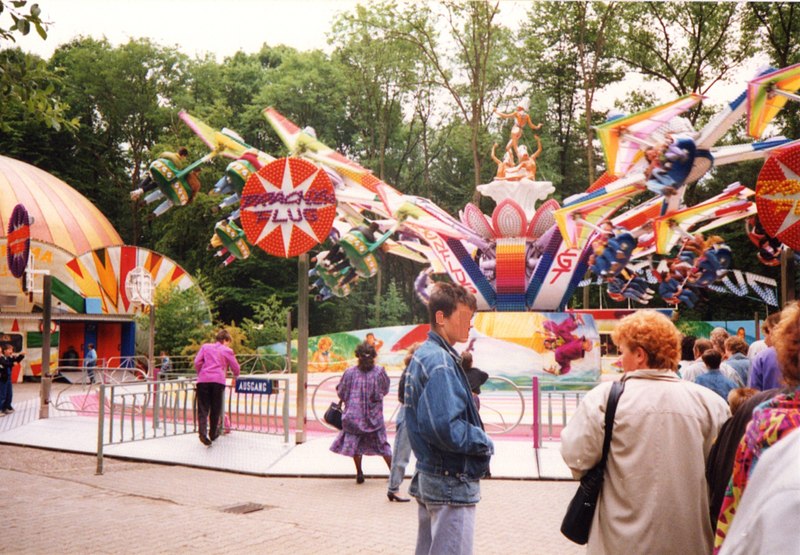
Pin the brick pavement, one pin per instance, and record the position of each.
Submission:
(53, 502)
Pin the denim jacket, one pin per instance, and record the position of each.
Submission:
(444, 428)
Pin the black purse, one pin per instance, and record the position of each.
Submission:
(577, 522)
(333, 415)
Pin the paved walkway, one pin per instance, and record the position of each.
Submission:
(54, 501)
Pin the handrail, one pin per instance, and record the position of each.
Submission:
(136, 411)
(493, 428)
(249, 364)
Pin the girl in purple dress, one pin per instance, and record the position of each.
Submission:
(362, 390)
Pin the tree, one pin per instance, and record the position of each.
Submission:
(777, 29)
(25, 82)
(392, 309)
(182, 318)
(473, 75)
(382, 75)
(689, 46)
(568, 53)
(268, 324)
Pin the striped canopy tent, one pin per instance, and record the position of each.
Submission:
(62, 216)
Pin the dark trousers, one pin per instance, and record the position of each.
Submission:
(209, 400)
(5, 394)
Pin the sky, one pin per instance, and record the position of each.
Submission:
(223, 27)
(195, 26)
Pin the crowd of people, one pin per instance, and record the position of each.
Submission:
(691, 466)
(697, 417)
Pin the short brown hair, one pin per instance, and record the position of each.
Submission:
(655, 334)
(223, 335)
(736, 344)
(702, 345)
(446, 297)
(771, 321)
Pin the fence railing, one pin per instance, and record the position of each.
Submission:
(502, 403)
(154, 409)
(553, 404)
(250, 364)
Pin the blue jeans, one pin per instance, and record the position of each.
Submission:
(400, 454)
(445, 529)
(5, 394)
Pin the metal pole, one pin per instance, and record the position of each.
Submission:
(787, 276)
(537, 422)
(289, 341)
(151, 361)
(47, 380)
(101, 418)
(302, 348)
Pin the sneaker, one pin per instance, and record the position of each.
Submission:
(9, 410)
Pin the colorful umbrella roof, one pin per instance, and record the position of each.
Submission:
(62, 216)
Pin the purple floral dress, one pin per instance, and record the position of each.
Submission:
(363, 428)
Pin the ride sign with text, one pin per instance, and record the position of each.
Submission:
(288, 207)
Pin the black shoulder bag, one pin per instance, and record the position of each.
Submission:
(577, 522)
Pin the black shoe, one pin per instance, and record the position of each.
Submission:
(214, 436)
(204, 440)
(360, 478)
(394, 497)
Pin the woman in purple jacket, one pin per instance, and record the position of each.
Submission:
(362, 390)
(212, 362)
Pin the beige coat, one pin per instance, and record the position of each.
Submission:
(654, 497)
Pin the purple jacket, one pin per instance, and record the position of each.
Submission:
(211, 362)
(765, 373)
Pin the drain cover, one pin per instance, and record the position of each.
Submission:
(243, 508)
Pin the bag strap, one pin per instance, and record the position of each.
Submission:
(611, 409)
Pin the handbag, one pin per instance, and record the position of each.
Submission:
(333, 415)
(577, 522)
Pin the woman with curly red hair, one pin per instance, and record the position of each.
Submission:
(654, 481)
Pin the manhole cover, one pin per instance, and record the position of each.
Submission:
(243, 508)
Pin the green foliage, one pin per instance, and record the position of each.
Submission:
(26, 86)
(181, 319)
(390, 309)
(687, 46)
(407, 91)
(268, 324)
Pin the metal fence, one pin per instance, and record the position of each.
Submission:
(136, 411)
(553, 405)
(502, 403)
(250, 364)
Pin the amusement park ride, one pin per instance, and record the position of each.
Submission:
(631, 228)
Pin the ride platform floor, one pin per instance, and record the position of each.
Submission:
(246, 452)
